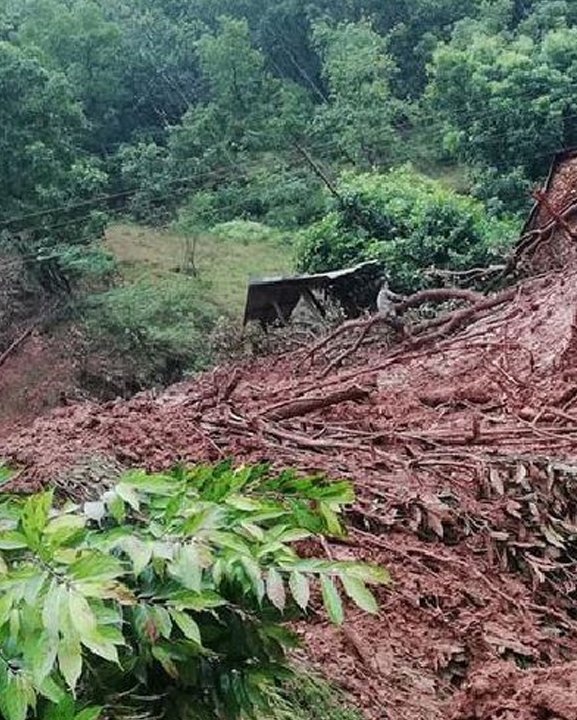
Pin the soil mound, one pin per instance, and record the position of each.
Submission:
(461, 438)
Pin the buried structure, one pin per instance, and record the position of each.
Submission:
(274, 299)
(460, 434)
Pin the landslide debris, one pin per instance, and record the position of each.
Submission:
(461, 438)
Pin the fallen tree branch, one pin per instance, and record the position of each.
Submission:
(471, 273)
(303, 441)
(303, 406)
(16, 344)
(438, 295)
(450, 322)
(365, 324)
(347, 352)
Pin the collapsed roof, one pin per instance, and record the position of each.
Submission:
(274, 298)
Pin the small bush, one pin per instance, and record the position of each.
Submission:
(411, 223)
(157, 326)
(167, 596)
(309, 697)
(275, 197)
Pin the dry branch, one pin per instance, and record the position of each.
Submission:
(438, 295)
(303, 406)
(452, 321)
(16, 344)
(365, 324)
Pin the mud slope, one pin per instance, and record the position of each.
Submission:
(464, 456)
(461, 438)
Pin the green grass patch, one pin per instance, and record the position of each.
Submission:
(310, 697)
(6, 472)
(224, 259)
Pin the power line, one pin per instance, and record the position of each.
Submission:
(214, 174)
(102, 198)
(441, 126)
(157, 198)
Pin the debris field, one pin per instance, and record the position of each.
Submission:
(460, 434)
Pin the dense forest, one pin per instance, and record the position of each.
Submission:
(408, 132)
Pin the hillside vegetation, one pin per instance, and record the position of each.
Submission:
(319, 122)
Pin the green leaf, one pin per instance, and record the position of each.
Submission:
(240, 502)
(35, 515)
(16, 697)
(165, 659)
(145, 623)
(62, 710)
(275, 589)
(188, 600)
(360, 594)
(43, 657)
(12, 540)
(100, 646)
(3, 566)
(293, 535)
(51, 691)
(5, 472)
(51, 611)
(81, 614)
(300, 588)
(6, 602)
(70, 659)
(14, 625)
(331, 519)
(251, 531)
(33, 587)
(90, 713)
(139, 552)
(129, 495)
(117, 508)
(155, 484)
(186, 567)
(94, 565)
(367, 572)
(63, 528)
(253, 573)
(187, 626)
(230, 541)
(332, 600)
(162, 620)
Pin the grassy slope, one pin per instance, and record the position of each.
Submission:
(224, 264)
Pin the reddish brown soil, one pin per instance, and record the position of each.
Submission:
(35, 379)
(464, 456)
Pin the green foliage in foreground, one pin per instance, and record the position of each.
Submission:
(411, 223)
(167, 597)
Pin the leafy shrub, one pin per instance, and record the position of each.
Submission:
(502, 191)
(274, 196)
(408, 221)
(144, 173)
(290, 197)
(157, 326)
(166, 597)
